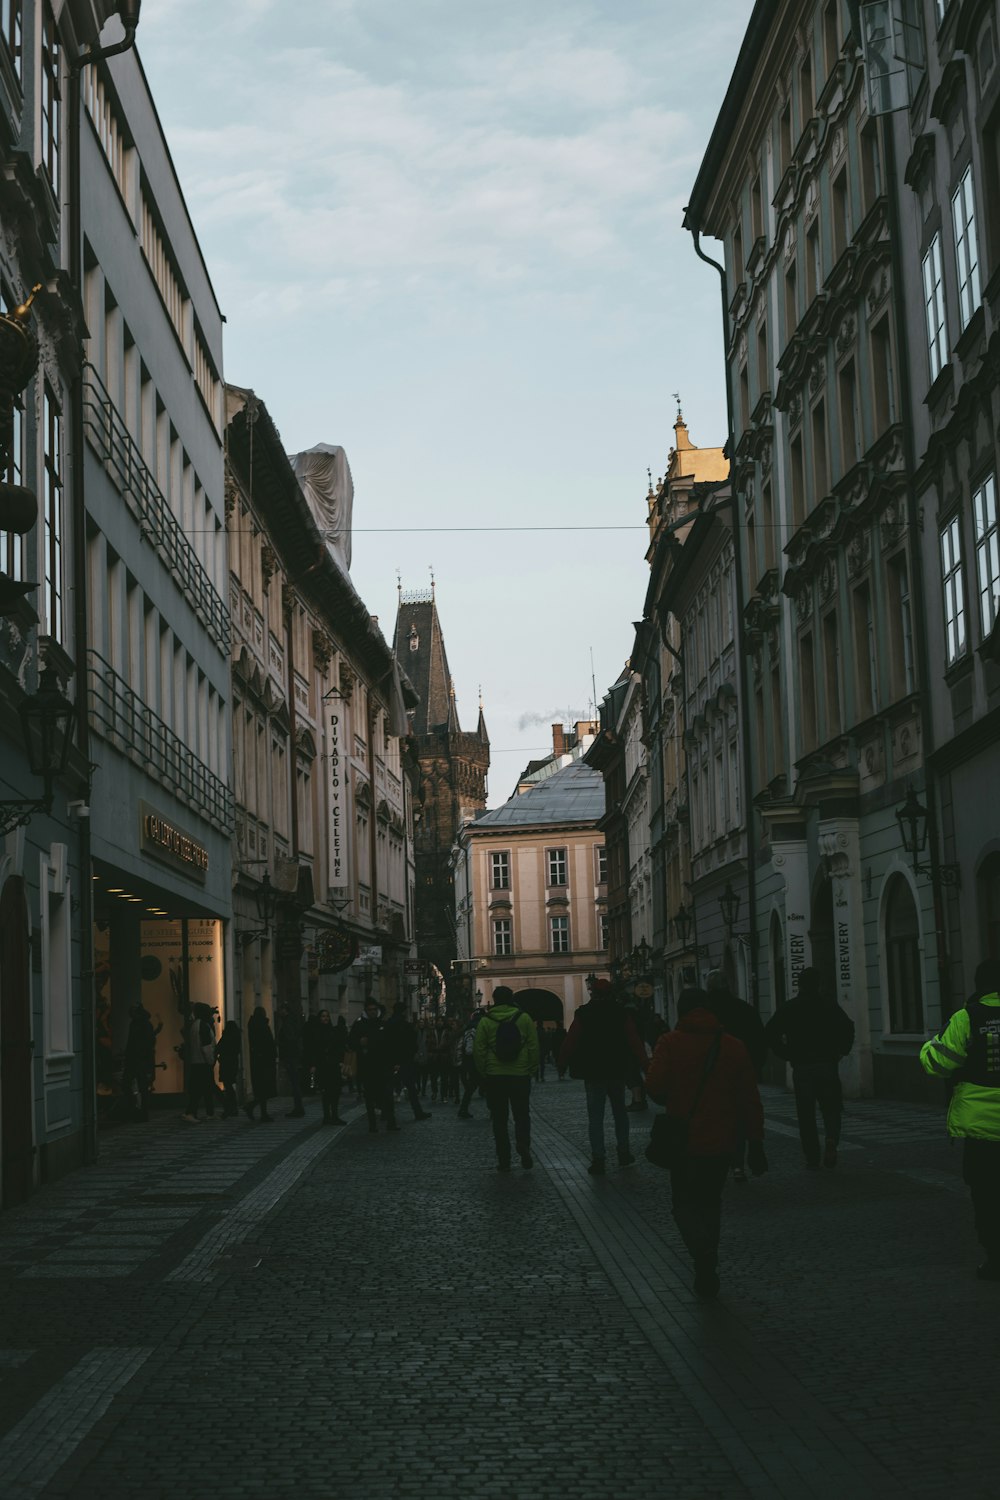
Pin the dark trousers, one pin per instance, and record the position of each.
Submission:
(507, 1092)
(470, 1082)
(981, 1170)
(599, 1091)
(330, 1089)
(696, 1185)
(230, 1105)
(294, 1071)
(817, 1083)
(378, 1099)
(200, 1088)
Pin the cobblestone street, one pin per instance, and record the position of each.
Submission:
(233, 1311)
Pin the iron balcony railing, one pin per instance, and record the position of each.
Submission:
(119, 716)
(117, 450)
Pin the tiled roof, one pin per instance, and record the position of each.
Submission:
(573, 795)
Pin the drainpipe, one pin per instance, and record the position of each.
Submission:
(741, 651)
(129, 15)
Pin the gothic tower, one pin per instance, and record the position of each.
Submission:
(453, 768)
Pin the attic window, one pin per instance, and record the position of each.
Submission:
(414, 638)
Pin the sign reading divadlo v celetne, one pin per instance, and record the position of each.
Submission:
(338, 862)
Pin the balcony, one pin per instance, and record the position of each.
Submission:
(115, 447)
(121, 718)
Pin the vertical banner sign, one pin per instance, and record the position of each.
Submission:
(338, 866)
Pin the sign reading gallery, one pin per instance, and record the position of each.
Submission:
(338, 862)
(163, 839)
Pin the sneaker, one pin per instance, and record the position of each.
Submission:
(830, 1155)
(527, 1160)
(626, 1159)
(989, 1270)
(739, 1175)
(191, 1119)
(596, 1168)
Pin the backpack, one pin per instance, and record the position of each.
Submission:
(508, 1041)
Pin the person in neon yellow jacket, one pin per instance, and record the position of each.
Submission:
(967, 1051)
(505, 1053)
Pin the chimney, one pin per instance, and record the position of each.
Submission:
(558, 740)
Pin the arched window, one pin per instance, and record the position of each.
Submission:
(902, 959)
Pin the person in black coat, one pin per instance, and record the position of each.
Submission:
(373, 1046)
(604, 1048)
(263, 1064)
(228, 1053)
(813, 1034)
(402, 1039)
(328, 1047)
(140, 1058)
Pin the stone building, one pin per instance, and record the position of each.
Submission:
(793, 182)
(453, 768)
(944, 174)
(323, 875)
(531, 885)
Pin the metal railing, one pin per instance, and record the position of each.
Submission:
(120, 716)
(117, 450)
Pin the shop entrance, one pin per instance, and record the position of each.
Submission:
(15, 1044)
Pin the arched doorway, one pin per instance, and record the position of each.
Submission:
(15, 1044)
(901, 937)
(541, 1005)
(821, 929)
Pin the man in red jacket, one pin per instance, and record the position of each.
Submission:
(699, 1062)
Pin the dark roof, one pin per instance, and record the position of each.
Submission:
(573, 795)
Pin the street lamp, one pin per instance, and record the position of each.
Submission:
(729, 903)
(266, 901)
(683, 923)
(913, 823)
(641, 956)
(47, 728)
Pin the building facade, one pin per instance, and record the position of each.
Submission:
(323, 871)
(794, 184)
(531, 889)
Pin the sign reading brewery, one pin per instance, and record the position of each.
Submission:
(338, 863)
(166, 842)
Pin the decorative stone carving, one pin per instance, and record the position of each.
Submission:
(839, 141)
(348, 677)
(828, 578)
(803, 606)
(289, 599)
(322, 649)
(878, 289)
(892, 523)
(232, 497)
(817, 375)
(858, 553)
(846, 334)
(834, 848)
(268, 565)
(795, 410)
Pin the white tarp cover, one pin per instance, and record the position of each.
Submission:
(325, 477)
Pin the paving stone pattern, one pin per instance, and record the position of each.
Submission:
(294, 1311)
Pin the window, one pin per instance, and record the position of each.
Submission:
(900, 625)
(500, 871)
(604, 924)
(559, 934)
(883, 377)
(502, 944)
(51, 101)
(871, 164)
(556, 859)
(831, 35)
(984, 509)
(10, 26)
(831, 674)
(963, 214)
(791, 302)
(807, 97)
(902, 959)
(98, 105)
(744, 413)
(798, 477)
(807, 684)
(601, 854)
(767, 522)
(865, 657)
(777, 721)
(821, 462)
(734, 785)
(738, 270)
(208, 381)
(763, 370)
(814, 263)
(937, 335)
(785, 138)
(850, 417)
(11, 544)
(841, 216)
(161, 266)
(756, 210)
(53, 516)
(954, 595)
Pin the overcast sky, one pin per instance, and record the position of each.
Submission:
(446, 234)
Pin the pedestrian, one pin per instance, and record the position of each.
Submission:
(468, 1076)
(263, 1064)
(559, 1036)
(705, 1078)
(604, 1048)
(637, 1104)
(447, 1075)
(813, 1034)
(348, 1063)
(139, 1063)
(228, 1054)
(968, 1049)
(375, 1065)
(741, 1021)
(328, 1047)
(423, 1057)
(199, 1055)
(506, 1056)
(403, 1042)
(290, 1043)
(310, 1036)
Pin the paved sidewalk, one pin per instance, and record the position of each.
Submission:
(296, 1311)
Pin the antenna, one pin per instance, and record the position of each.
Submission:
(593, 680)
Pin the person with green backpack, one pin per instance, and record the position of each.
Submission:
(505, 1053)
